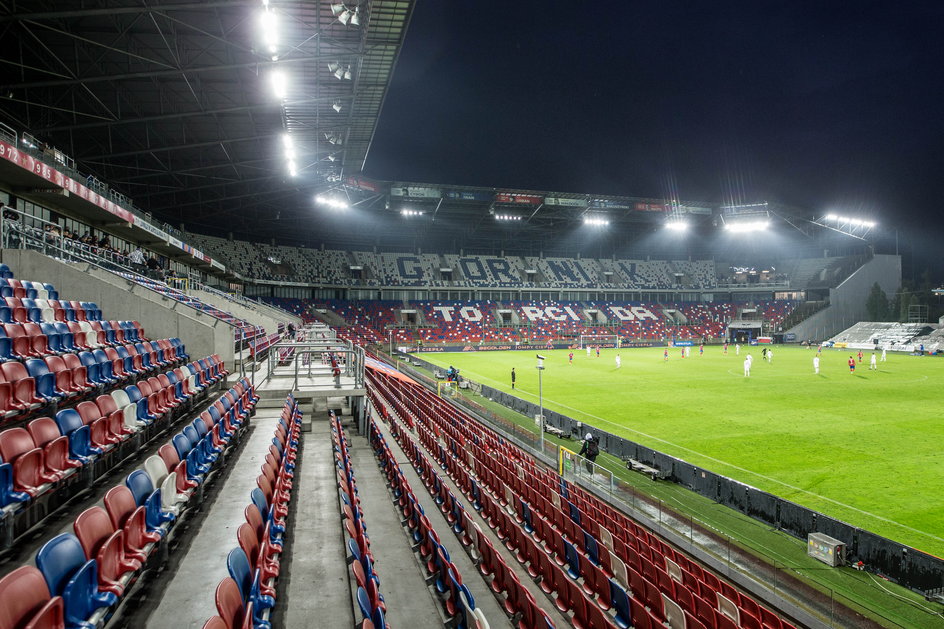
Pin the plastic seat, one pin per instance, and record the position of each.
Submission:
(70, 575)
(26, 602)
(229, 603)
(29, 469)
(24, 386)
(80, 445)
(46, 435)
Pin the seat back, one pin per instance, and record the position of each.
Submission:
(59, 559)
(24, 594)
(140, 485)
(156, 469)
(93, 527)
(120, 504)
(14, 442)
(229, 603)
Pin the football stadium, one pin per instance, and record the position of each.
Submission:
(386, 313)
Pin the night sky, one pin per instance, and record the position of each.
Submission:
(827, 106)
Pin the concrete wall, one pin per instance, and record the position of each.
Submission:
(847, 301)
(122, 299)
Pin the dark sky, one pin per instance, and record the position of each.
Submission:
(825, 105)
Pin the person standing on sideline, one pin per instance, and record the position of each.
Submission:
(665, 355)
(737, 349)
(873, 363)
(619, 362)
(570, 357)
(884, 354)
(852, 364)
(590, 450)
(816, 364)
(747, 366)
(513, 377)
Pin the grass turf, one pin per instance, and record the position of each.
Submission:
(862, 448)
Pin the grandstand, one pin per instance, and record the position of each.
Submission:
(226, 420)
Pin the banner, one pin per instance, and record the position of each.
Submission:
(519, 199)
(47, 172)
(483, 196)
(416, 192)
(650, 207)
(565, 202)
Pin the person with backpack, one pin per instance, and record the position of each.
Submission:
(590, 450)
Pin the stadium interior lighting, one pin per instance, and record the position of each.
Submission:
(347, 74)
(292, 168)
(336, 106)
(595, 221)
(406, 212)
(677, 226)
(332, 157)
(278, 83)
(332, 203)
(356, 18)
(345, 15)
(743, 227)
(270, 30)
(333, 138)
(333, 67)
(853, 222)
(507, 217)
(337, 9)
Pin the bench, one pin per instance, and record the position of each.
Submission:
(653, 472)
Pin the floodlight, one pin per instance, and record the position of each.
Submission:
(292, 169)
(287, 142)
(347, 74)
(678, 226)
(744, 227)
(332, 157)
(337, 9)
(278, 83)
(406, 212)
(345, 16)
(336, 106)
(356, 18)
(595, 221)
(331, 202)
(270, 30)
(339, 73)
(333, 67)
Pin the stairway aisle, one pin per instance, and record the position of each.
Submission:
(186, 601)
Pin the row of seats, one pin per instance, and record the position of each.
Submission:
(80, 578)
(458, 603)
(259, 347)
(23, 309)
(32, 340)
(553, 513)
(52, 459)
(366, 581)
(36, 384)
(11, 287)
(245, 599)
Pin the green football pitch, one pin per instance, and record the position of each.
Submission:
(865, 448)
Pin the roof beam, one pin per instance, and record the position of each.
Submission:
(191, 145)
(144, 8)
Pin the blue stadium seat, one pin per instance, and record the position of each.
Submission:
(69, 575)
(621, 604)
(248, 581)
(8, 495)
(80, 444)
(45, 380)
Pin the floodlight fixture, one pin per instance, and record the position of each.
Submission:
(596, 221)
(287, 142)
(407, 212)
(270, 30)
(332, 157)
(356, 18)
(744, 227)
(292, 168)
(347, 74)
(337, 9)
(676, 226)
(333, 67)
(278, 83)
(331, 202)
(339, 73)
(337, 106)
(507, 217)
(850, 221)
(345, 16)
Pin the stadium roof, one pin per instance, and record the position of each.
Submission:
(172, 103)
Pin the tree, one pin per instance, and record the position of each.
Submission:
(877, 304)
